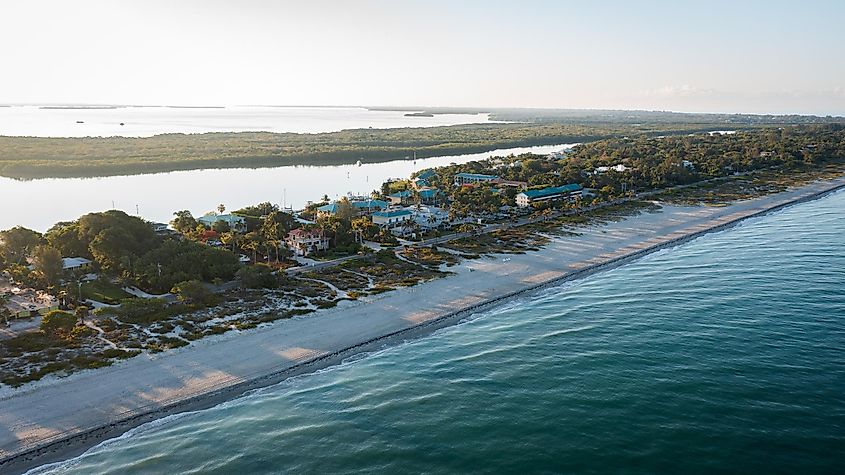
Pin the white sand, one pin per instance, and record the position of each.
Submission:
(51, 410)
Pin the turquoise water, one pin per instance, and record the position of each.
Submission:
(726, 354)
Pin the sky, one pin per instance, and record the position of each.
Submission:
(714, 56)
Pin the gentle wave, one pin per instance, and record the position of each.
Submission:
(723, 354)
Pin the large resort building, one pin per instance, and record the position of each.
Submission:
(462, 179)
(526, 198)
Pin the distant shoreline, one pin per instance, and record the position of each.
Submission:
(41, 157)
(65, 447)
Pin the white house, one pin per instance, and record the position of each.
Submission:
(306, 241)
(429, 217)
(391, 218)
(75, 263)
(616, 168)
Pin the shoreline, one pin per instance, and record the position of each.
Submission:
(61, 446)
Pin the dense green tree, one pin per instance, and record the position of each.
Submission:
(17, 244)
(48, 263)
(345, 210)
(183, 222)
(221, 227)
(65, 237)
(175, 261)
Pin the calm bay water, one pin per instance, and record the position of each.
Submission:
(156, 196)
(35, 121)
(726, 354)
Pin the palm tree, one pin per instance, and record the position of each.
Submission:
(221, 208)
(253, 242)
(230, 238)
(270, 231)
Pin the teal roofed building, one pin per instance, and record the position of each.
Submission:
(427, 174)
(527, 197)
(427, 196)
(420, 183)
(431, 196)
(462, 179)
(362, 207)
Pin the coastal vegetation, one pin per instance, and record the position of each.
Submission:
(157, 289)
(35, 157)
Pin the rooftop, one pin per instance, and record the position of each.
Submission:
(554, 190)
(300, 232)
(74, 262)
(401, 194)
(476, 176)
(426, 174)
(332, 208)
(392, 213)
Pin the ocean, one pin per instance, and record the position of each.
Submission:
(724, 354)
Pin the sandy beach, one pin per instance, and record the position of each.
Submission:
(55, 419)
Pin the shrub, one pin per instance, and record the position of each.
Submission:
(194, 292)
(259, 276)
(58, 323)
(140, 310)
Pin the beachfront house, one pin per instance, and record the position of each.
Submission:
(429, 217)
(304, 242)
(391, 218)
(462, 179)
(236, 223)
(526, 198)
(72, 264)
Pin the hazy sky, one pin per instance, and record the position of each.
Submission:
(725, 56)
